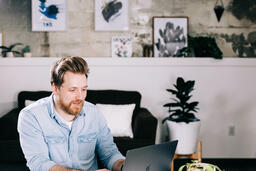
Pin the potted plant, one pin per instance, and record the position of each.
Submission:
(182, 122)
(8, 51)
(205, 47)
(201, 46)
(26, 52)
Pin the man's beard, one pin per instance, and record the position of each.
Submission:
(69, 109)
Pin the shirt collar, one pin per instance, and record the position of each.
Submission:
(52, 110)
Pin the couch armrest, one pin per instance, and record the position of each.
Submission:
(11, 152)
(8, 125)
(144, 125)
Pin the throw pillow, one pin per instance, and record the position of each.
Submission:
(28, 102)
(118, 118)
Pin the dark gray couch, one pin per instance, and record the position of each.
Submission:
(143, 125)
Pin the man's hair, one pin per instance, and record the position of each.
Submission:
(74, 64)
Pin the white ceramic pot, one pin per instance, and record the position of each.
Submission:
(186, 134)
(27, 54)
(9, 54)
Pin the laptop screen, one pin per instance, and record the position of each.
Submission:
(150, 158)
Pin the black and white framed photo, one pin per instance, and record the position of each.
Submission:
(48, 15)
(111, 15)
(170, 36)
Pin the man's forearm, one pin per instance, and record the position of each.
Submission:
(118, 165)
(61, 168)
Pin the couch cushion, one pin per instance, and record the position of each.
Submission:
(115, 97)
(28, 102)
(119, 118)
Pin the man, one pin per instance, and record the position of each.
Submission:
(63, 132)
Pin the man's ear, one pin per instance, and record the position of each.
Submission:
(54, 89)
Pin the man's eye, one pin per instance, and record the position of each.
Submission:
(84, 89)
(72, 90)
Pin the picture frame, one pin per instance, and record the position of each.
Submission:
(122, 46)
(170, 36)
(49, 15)
(111, 15)
(1, 42)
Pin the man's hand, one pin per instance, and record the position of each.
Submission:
(118, 165)
(60, 168)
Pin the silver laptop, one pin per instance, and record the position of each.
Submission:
(150, 158)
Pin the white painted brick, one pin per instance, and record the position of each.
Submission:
(81, 5)
(97, 49)
(82, 39)
(80, 20)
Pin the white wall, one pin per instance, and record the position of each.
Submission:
(224, 88)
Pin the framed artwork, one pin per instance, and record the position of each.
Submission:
(121, 46)
(1, 42)
(111, 15)
(170, 36)
(48, 15)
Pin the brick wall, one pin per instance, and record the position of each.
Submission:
(80, 38)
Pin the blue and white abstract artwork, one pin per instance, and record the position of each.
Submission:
(48, 15)
(111, 15)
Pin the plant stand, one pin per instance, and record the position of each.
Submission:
(194, 156)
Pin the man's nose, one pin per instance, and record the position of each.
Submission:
(79, 95)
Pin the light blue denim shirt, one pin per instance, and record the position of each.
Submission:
(46, 141)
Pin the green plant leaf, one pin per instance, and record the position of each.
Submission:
(171, 105)
(172, 91)
(177, 113)
(180, 109)
(17, 52)
(189, 86)
(180, 83)
(26, 49)
(13, 45)
(204, 47)
(3, 47)
(192, 105)
(183, 98)
(5, 50)
(175, 100)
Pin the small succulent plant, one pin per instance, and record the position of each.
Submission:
(26, 49)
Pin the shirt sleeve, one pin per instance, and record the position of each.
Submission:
(106, 148)
(32, 143)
